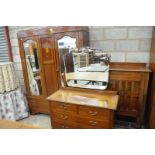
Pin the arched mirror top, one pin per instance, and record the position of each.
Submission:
(29, 45)
(67, 42)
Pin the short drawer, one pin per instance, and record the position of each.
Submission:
(87, 123)
(58, 125)
(64, 117)
(63, 107)
(95, 113)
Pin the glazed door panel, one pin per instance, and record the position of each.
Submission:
(30, 55)
(48, 58)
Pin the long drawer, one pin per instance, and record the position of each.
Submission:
(95, 113)
(88, 123)
(60, 125)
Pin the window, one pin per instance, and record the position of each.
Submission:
(5, 46)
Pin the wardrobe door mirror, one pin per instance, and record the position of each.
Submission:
(65, 57)
(33, 69)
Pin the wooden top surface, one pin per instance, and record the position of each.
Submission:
(108, 101)
(130, 69)
(8, 124)
(88, 76)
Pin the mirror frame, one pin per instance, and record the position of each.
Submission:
(25, 72)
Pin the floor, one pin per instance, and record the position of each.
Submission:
(43, 121)
(40, 120)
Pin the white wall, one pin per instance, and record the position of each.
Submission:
(125, 44)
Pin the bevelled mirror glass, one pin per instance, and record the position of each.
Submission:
(84, 67)
(33, 69)
(91, 68)
(65, 44)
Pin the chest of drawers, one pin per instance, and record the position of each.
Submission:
(76, 110)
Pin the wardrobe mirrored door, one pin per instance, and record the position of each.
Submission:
(33, 68)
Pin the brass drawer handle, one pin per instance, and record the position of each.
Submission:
(93, 113)
(93, 123)
(64, 127)
(63, 117)
(63, 107)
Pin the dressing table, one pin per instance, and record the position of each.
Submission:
(80, 109)
(85, 108)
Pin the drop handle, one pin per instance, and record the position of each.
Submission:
(93, 123)
(63, 117)
(64, 127)
(93, 113)
(63, 107)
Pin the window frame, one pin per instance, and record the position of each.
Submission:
(7, 37)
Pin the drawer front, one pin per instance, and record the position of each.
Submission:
(87, 123)
(58, 125)
(64, 118)
(63, 107)
(95, 113)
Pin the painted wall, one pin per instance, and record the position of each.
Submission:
(125, 44)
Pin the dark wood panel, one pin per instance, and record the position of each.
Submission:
(132, 90)
(51, 30)
(7, 36)
(152, 117)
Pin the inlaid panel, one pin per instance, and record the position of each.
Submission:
(49, 65)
